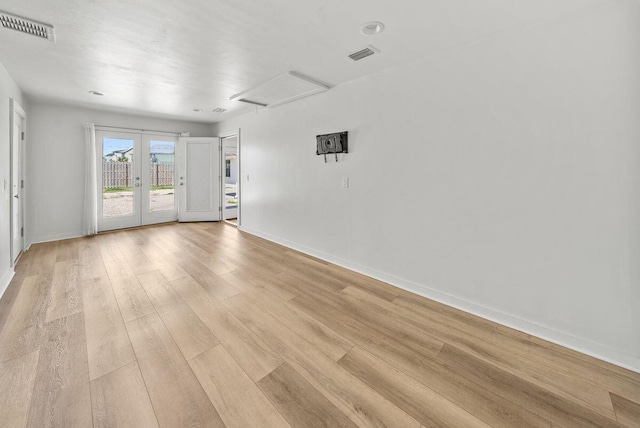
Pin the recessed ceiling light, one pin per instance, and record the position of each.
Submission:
(198, 110)
(96, 93)
(372, 28)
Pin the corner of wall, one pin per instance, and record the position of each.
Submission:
(6, 280)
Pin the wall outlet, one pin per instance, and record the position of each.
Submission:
(345, 183)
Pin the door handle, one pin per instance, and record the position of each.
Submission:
(16, 196)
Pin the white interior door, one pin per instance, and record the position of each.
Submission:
(119, 179)
(199, 179)
(17, 140)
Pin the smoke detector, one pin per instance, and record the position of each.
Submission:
(27, 26)
(372, 28)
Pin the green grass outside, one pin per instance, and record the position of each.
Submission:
(129, 189)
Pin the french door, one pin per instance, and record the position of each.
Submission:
(136, 179)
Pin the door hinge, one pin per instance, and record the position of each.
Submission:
(22, 184)
(22, 231)
(22, 136)
(220, 209)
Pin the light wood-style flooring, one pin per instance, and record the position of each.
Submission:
(188, 325)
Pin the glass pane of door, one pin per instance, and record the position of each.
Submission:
(162, 176)
(117, 177)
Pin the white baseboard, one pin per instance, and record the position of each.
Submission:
(49, 238)
(558, 337)
(6, 280)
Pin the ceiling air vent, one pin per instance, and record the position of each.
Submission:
(284, 88)
(244, 100)
(219, 110)
(27, 26)
(363, 53)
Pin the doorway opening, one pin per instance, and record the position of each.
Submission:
(136, 179)
(18, 129)
(230, 179)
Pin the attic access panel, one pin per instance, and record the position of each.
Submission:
(281, 89)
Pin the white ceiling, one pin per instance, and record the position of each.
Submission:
(167, 57)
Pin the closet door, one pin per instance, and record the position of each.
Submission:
(199, 179)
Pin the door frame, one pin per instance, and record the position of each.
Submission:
(17, 114)
(222, 136)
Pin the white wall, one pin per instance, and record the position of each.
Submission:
(8, 90)
(55, 163)
(502, 177)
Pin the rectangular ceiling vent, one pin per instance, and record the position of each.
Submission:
(255, 103)
(285, 88)
(219, 110)
(363, 53)
(28, 26)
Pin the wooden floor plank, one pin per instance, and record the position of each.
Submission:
(177, 397)
(416, 399)
(132, 299)
(477, 400)
(68, 250)
(17, 377)
(217, 287)
(329, 342)
(120, 399)
(249, 351)
(357, 400)
(502, 353)
(40, 258)
(299, 402)
(627, 411)
(108, 345)
(115, 262)
(91, 264)
(237, 399)
(187, 329)
(65, 295)
(24, 329)
(164, 262)
(61, 393)
(365, 327)
(543, 402)
(133, 253)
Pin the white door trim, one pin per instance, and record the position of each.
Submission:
(17, 114)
